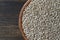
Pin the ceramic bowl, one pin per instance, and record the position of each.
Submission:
(20, 18)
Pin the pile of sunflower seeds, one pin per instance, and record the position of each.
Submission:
(41, 20)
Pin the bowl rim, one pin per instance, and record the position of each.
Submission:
(20, 19)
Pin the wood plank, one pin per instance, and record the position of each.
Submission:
(9, 29)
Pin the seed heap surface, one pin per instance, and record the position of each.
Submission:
(41, 20)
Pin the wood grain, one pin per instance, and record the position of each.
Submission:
(9, 29)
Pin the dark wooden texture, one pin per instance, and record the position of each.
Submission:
(9, 29)
(14, 0)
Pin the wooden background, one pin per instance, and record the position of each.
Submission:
(9, 11)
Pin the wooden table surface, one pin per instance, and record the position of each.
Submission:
(9, 20)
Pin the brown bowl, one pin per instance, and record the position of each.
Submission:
(20, 19)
